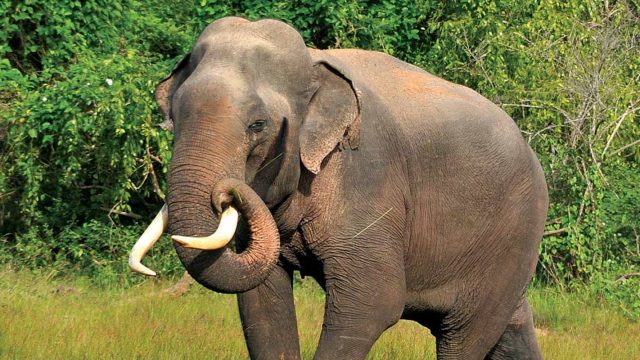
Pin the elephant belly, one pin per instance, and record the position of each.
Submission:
(473, 237)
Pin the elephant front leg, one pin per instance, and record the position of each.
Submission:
(269, 319)
(364, 298)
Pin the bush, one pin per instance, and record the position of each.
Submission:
(94, 250)
(85, 143)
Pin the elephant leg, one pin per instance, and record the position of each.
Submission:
(518, 340)
(269, 319)
(364, 298)
(496, 329)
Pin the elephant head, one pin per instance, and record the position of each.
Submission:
(251, 107)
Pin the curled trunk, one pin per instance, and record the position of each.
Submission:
(224, 270)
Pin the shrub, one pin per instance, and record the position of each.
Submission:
(94, 250)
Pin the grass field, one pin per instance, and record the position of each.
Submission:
(42, 319)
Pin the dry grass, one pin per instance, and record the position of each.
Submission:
(40, 319)
(575, 327)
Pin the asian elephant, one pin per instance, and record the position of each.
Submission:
(404, 195)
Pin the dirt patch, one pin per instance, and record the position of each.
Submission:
(65, 290)
(542, 332)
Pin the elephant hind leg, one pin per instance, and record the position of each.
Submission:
(492, 330)
(518, 340)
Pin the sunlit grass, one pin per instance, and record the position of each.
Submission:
(43, 319)
(577, 327)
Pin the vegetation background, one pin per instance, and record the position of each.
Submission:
(83, 164)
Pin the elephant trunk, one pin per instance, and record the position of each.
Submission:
(224, 270)
(203, 195)
(197, 196)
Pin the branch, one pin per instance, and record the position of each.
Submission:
(84, 187)
(154, 178)
(531, 137)
(629, 110)
(557, 220)
(523, 105)
(123, 213)
(626, 276)
(7, 194)
(155, 183)
(155, 158)
(626, 147)
(555, 232)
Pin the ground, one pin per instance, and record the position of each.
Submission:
(41, 318)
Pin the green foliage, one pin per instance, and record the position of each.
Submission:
(85, 142)
(94, 250)
(78, 145)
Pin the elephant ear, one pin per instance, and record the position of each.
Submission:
(333, 115)
(166, 88)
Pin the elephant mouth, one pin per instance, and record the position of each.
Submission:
(212, 263)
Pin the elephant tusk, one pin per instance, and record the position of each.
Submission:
(217, 240)
(146, 241)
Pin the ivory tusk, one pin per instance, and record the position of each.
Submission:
(217, 240)
(145, 242)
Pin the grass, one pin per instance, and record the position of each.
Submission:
(53, 319)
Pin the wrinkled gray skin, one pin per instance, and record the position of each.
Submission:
(403, 195)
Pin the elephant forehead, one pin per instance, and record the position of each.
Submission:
(271, 31)
(258, 54)
(256, 60)
(225, 97)
(201, 99)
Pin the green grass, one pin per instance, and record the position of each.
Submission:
(54, 319)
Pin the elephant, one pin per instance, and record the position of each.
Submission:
(403, 195)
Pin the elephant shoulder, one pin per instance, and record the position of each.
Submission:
(421, 104)
(399, 83)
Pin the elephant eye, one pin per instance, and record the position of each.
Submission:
(258, 126)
